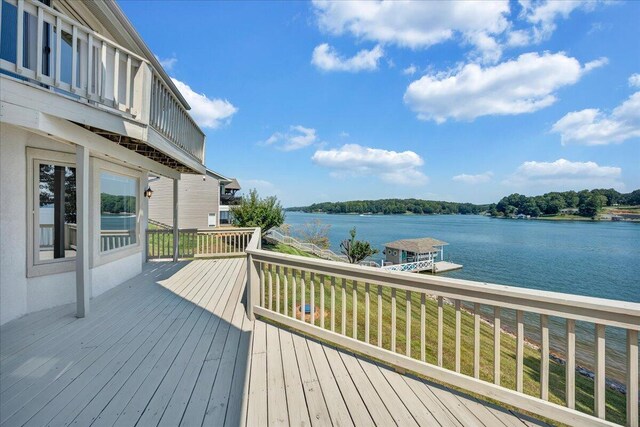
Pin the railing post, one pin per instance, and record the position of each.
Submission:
(253, 285)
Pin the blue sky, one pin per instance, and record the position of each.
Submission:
(460, 101)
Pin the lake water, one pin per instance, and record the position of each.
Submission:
(599, 259)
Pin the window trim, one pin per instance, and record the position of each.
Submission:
(99, 258)
(36, 157)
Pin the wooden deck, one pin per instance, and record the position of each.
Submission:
(174, 346)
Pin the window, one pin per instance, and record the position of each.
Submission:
(211, 222)
(55, 219)
(225, 217)
(118, 211)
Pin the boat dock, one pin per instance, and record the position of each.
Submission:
(417, 255)
(445, 266)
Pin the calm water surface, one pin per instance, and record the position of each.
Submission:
(599, 259)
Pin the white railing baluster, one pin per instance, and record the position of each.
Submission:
(570, 368)
(354, 301)
(333, 304)
(312, 297)
(393, 319)
(407, 332)
(497, 332)
(116, 78)
(344, 307)
(476, 340)
(321, 301)
(74, 58)
(286, 290)
(127, 89)
(102, 73)
(457, 334)
(440, 328)
(366, 312)
(632, 378)
(262, 286)
(379, 315)
(39, 47)
(303, 291)
(544, 357)
(294, 296)
(423, 320)
(600, 384)
(519, 350)
(58, 51)
(278, 288)
(90, 65)
(270, 287)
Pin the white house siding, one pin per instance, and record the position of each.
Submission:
(198, 196)
(20, 294)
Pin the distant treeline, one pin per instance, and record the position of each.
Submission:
(393, 206)
(588, 203)
(111, 203)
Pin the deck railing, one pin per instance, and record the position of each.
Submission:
(43, 46)
(198, 243)
(426, 324)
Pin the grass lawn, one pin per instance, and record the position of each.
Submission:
(615, 401)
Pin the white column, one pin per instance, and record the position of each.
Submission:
(83, 279)
(175, 220)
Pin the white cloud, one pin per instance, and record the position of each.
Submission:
(167, 63)
(594, 127)
(543, 15)
(518, 86)
(474, 179)
(207, 112)
(298, 137)
(634, 80)
(356, 160)
(414, 24)
(410, 70)
(564, 174)
(326, 58)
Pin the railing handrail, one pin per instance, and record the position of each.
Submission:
(597, 310)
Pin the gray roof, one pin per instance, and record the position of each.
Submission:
(223, 179)
(422, 245)
(233, 185)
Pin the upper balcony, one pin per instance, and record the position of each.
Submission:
(49, 51)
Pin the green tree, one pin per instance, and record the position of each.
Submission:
(254, 211)
(592, 205)
(356, 250)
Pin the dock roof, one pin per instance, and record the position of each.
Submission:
(421, 245)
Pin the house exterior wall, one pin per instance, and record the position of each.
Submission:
(20, 294)
(198, 195)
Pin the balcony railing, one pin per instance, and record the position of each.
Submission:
(45, 47)
(169, 117)
(427, 324)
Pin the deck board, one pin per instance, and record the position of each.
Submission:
(173, 346)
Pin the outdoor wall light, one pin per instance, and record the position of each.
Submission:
(148, 192)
